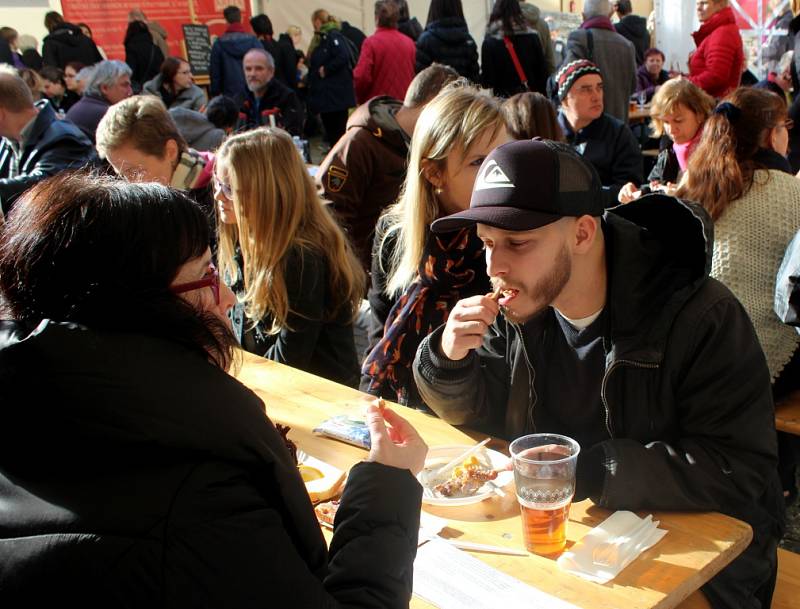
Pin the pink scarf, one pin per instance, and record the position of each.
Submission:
(684, 151)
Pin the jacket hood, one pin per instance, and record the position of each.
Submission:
(377, 117)
(237, 44)
(495, 30)
(531, 13)
(723, 17)
(451, 30)
(634, 24)
(153, 86)
(67, 33)
(43, 120)
(193, 125)
(659, 251)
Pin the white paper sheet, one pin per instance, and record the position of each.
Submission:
(452, 579)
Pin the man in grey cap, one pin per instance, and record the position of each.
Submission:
(605, 327)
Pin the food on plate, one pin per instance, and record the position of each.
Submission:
(309, 473)
(326, 512)
(466, 479)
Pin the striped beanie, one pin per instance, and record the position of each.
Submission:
(572, 71)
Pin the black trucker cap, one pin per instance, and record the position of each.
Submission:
(528, 184)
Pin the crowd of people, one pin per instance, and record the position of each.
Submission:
(481, 218)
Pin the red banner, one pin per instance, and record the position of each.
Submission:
(108, 19)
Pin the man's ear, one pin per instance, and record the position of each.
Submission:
(586, 229)
(172, 151)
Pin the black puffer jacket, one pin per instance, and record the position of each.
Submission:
(133, 473)
(67, 43)
(449, 42)
(686, 389)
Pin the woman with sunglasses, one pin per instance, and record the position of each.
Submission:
(134, 471)
(298, 280)
(740, 174)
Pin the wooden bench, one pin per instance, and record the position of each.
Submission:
(787, 414)
(787, 588)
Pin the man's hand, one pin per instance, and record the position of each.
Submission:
(468, 322)
(322, 71)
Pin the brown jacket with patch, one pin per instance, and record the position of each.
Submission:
(364, 171)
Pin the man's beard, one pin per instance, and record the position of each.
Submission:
(546, 289)
(257, 88)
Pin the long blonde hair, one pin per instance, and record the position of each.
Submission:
(457, 117)
(278, 210)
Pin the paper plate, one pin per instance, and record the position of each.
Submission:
(440, 455)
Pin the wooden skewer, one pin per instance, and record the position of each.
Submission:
(496, 294)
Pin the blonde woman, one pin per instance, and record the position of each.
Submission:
(416, 276)
(298, 280)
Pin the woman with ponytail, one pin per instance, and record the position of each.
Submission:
(740, 174)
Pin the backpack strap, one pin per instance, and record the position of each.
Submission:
(590, 44)
(517, 65)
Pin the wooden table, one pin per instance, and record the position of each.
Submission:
(639, 114)
(697, 546)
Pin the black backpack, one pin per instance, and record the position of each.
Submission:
(352, 50)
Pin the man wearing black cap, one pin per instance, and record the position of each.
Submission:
(610, 331)
(606, 142)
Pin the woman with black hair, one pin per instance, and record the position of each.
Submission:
(447, 40)
(512, 54)
(134, 471)
(141, 54)
(175, 86)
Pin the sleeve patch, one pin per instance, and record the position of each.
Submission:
(337, 176)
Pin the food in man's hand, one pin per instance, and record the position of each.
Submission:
(466, 479)
(326, 512)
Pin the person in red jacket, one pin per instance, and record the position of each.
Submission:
(386, 63)
(716, 66)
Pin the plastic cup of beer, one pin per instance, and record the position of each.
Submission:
(544, 474)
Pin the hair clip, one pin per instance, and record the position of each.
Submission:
(729, 111)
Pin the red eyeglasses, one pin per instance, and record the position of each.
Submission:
(209, 281)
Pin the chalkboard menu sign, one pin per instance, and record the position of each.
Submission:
(198, 48)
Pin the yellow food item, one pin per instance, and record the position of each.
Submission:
(309, 473)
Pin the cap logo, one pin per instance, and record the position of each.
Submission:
(492, 176)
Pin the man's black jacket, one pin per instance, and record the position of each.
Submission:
(609, 145)
(689, 413)
(52, 146)
(278, 96)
